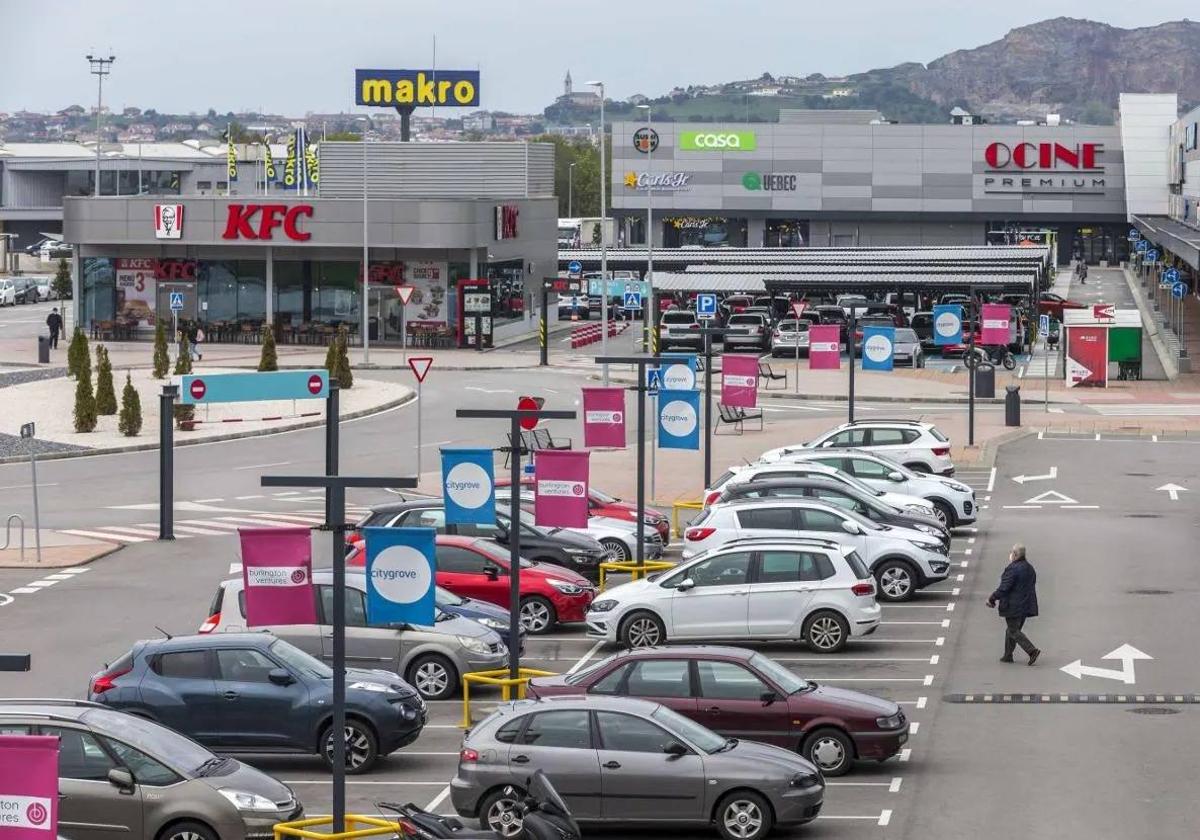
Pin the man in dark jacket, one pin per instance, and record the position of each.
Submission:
(1017, 597)
(54, 324)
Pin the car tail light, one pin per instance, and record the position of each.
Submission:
(863, 589)
(712, 497)
(210, 624)
(941, 451)
(468, 754)
(698, 534)
(693, 326)
(775, 334)
(105, 681)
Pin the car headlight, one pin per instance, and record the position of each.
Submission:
(925, 546)
(603, 606)
(493, 623)
(245, 801)
(472, 644)
(891, 721)
(927, 529)
(924, 510)
(802, 780)
(575, 552)
(954, 485)
(564, 586)
(377, 688)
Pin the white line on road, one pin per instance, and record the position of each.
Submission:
(23, 590)
(960, 578)
(206, 501)
(991, 480)
(914, 727)
(582, 661)
(5, 599)
(235, 568)
(438, 800)
(905, 754)
(140, 531)
(929, 679)
(42, 584)
(946, 622)
(27, 486)
(894, 787)
(921, 701)
(885, 816)
(202, 532)
(262, 466)
(941, 640)
(212, 523)
(260, 522)
(244, 498)
(917, 623)
(859, 640)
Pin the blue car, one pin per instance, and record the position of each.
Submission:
(489, 615)
(256, 693)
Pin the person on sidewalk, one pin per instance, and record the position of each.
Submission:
(55, 323)
(197, 338)
(1017, 598)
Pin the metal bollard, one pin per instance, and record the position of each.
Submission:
(1012, 405)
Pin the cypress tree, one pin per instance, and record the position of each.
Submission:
(183, 366)
(62, 280)
(345, 376)
(268, 360)
(106, 396)
(85, 400)
(162, 362)
(74, 350)
(130, 420)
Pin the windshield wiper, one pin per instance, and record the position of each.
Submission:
(209, 765)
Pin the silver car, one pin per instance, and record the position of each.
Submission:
(790, 338)
(907, 348)
(624, 760)
(432, 659)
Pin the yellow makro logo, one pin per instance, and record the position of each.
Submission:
(416, 87)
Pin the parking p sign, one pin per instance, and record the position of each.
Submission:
(706, 307)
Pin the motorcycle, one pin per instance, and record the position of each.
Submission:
(540, 815)
(995, 355)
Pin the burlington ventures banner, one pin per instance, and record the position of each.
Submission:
(561, 481)
(604, 417)
(468, 486)
(994, 329)
(277, 576)
(824, 347)
(29, 787)
(739, 380)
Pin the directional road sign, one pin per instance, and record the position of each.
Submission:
(653, 380)
(706, 306)
(1104, 310)
(1179, 290)
(1170, 275)
(176, 301)
(1044, 324)
(633, 299)
(1152, 255)
(1142, 245)
(574, 267)
(1134, 234)
(798, 307)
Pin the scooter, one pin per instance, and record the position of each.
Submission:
(996, 355)
(540, 815)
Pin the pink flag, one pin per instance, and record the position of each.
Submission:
(561, 494)
(28, 787)
(994, 329)
(739, 380)
(604, 417)
(824, 347)
(277, 575)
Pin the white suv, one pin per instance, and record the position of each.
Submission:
(901, 559)
(919, 446)
(812, 469)
(814, 590)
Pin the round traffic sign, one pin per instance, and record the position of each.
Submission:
(198, 389)
(528, 404)
(315, 384)
(1179, 290)
(574, 266)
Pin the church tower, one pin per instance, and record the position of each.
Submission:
(568, 88)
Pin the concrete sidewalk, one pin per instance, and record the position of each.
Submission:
(58, 551)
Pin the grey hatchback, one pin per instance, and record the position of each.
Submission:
(120, 775)
(629, 761)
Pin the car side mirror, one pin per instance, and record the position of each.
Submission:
(121, 779)
(827, 444)
(492, 572)
(851, 527)
(895, 476)
(675, 750)
(768, 697)
(280, 676)
(685, 584)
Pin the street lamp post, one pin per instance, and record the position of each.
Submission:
(603, 236)
(100, 69)
(570, 190)
(649, 308)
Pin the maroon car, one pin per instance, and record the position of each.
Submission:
(740, 693)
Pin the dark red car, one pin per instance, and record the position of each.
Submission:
(602, 504)
(1053, 305)
(741, 693)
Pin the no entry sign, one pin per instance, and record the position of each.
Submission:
(197, 389)
(528, 404)
(254, 387)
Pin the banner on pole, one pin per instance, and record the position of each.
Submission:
(678, 374)
(1087, 356)
(277, 576)
(878, 349)
(947, 324)
(824, 347)
(678, 419)
(739, 380)
(401, 571)
(994, 326)
(468, 486)
(561, 488)
(604, 417)
(29, 787)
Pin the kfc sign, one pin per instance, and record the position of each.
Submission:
(1081, 156)
(506, 221)
(168, 221)
(258, 221)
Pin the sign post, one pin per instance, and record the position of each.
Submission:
(709, 333)
(1044, 332)
(27, 433)
(176, 303)
(420, 367)
(560, 285)
(798, 308)
(166, 462)
(405, 294)
(970, 327)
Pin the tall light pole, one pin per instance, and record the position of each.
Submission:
(100, 69)
(603, 236)
(650, 306)
(570, 190)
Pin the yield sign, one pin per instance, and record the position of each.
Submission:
(1051, 497)
(405, 293)
(420, 366)
(1106, 311)
(798, 307)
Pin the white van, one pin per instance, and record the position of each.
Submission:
(8, 292)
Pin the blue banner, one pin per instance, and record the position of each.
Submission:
(878, 348)
(677, 372)
(947, 323)
(678, 419)
(401, 572)
(201, 389)
(468, 487)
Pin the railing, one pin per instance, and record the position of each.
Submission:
(8, 534)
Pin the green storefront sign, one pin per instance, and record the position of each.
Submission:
(717, 141)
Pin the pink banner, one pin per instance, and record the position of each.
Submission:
(994, 329)
(561, 494)
(824, 347)
(28, 787)
(739, 380)
(604, 417)
(277, 575)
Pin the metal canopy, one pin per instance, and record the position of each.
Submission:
(759, 282)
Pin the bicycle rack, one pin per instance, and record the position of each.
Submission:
(8, 534)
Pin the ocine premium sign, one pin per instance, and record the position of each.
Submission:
(1044, 168)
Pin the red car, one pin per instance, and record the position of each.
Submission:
(741, 693)
(602, 504)
(1053, 305)
(472, 567)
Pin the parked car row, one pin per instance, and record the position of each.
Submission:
(15, 290)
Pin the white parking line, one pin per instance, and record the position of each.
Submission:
(42, 584)
(582, 661)
(438, 800)
(921, 701)
(885, 816)
(905, 754)
(23, 590)
(992, 480)
(914, 727)
(894, 787)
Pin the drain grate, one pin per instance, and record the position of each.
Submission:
(1037, 698)
(1153, 710)
(1149, 592)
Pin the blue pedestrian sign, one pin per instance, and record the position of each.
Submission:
(1179, 290)
(1044, 324)
(1142, 245)
(176, 301)
(653, 380)
(574, 267)
(633, 299)
(706, 307)
(1134, 234)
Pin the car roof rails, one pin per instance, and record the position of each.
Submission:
(50, 701)
(820, 541)
(901, 420)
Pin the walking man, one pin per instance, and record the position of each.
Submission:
(1017, 598)
(54, 322)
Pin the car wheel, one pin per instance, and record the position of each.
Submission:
(433, 676)
(918, 467)
(500, 812)
(642, 629)
(188, 830)
(944, 513)
(615, 549)
(743, 815)
(537, 615)
(831, 750)
(896, 580)
(362, 748)
(826, 632)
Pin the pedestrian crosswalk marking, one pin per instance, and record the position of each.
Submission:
(189, 528)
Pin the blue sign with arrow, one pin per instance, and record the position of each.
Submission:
(632, 299)
(574, 267)
(1152, 256)
(1142, 245)
(706, 306)
(1171, 275)
(1179, 290)
(1135, 234)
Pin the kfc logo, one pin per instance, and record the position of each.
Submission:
(168, 221)
(506, 221)
(240, 223)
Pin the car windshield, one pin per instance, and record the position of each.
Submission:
(790, 326)
(497, 552)
(446, 598)
(789, 681)
(602, 497)
(699, 736)
(300, 661)
(177, 751)
(905, 336)
(678, 317)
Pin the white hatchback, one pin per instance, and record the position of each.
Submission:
(814, 590)
(917, 445)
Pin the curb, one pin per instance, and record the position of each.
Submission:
(145, 447)
(112, 549)
(988, 452)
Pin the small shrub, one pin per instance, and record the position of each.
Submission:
(130, 420)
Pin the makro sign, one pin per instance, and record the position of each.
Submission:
(1031, 168)
(664, 181)
(258, 221)
(769, 182)
(392, 88)
(717, 141)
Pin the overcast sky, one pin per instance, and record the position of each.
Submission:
(299, 55)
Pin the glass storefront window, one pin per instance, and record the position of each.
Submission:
(290, 293)
(786, 233)
(99, 290)
(706, 231)
(508, 289)
(234, 290)
(335, 292)
(152, 182)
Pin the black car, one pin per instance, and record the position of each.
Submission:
(841, 495)
(922, 325)
(255, 693)
(577, 552)
(25, 290)
(835, 315)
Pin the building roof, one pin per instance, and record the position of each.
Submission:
(823, 116)
(901, 281)
(187, 150)
(1182, 240)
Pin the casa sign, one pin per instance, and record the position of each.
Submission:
(1054, 168)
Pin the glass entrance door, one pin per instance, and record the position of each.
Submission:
(383, 313)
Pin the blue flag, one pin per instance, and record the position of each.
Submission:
(468, 487)
(947, 323)
(401, 572)
(678, 419)
(678, 372)
(878, 348)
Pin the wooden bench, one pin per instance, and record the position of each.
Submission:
(765, 372)
(736, 417)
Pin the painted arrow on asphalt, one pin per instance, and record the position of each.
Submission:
(1126, 653)
(1021, 479)
(1173, 490)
